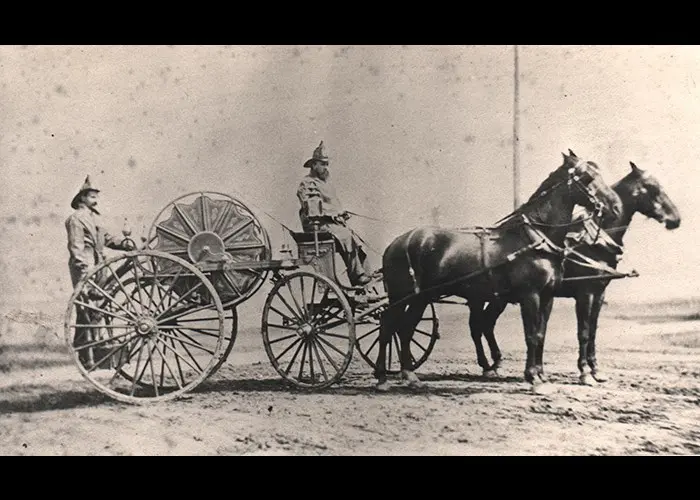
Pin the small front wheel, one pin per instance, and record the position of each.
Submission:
(308, 330)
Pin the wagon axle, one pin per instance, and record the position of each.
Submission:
(146, 325)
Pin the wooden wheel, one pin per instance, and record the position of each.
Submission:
(308, 329)
(135, 337)
(230, 326)
(424, 338)
(206, 222)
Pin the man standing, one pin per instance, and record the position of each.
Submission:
(86, 236)
(318, 199)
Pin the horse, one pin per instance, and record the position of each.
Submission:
(640, 192)
(518, 260)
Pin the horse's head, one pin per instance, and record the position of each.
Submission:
(588, 188)
(650, 199)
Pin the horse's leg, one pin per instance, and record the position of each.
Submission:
(584, 303)
(592, 362)
(530, 314)
(491, 314)
(476, 326)
(387, 326)
(406, 331)
(546, 302)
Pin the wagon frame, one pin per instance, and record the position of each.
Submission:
(175, 300)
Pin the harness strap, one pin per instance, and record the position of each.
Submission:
(591, 263)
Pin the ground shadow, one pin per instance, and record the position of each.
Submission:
(29, 364)
(48, 399)
(34, 347)
(467, 377)
(354, 386)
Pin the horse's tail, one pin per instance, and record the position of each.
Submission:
(399, 271)
(411, 270)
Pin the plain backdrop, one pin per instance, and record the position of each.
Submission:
(417, 134)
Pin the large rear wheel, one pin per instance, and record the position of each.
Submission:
(137, 335)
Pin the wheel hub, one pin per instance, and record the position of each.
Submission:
(305, 330)
(146, 326)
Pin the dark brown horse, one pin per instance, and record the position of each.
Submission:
(639, 192)
(519, 261)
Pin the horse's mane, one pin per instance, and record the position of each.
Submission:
(550, 181)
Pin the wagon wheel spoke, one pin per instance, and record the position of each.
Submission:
(189, 224)
(364, 335)
(180, 299)
(106, 295)
(299, 309)
(179, 356)
(168, 292)
(314, 344)
(97, 343)
(153, 371)
(294, 313)
(423, 332)
(322, 341)
(138, 364)
(414, 341)
(303, 359)
(120, 284)
(232, 284)
(374, 343)
(187, 342)
(328, 356)
(105, 357)
(326, 315)
(175, 234)
(234, 231)
(284, 316)
(100, 310)
(218, 224)
(296, 353)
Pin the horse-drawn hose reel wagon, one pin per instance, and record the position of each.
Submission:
(154, 323)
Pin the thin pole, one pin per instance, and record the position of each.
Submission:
(516, 131)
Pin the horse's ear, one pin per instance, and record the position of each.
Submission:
(565, 157)
(635, 168)
(573, 154)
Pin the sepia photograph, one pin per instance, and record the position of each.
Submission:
(349, 250)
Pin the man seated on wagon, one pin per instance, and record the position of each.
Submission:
(319, 202)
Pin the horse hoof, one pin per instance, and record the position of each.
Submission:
(490, 373)
(543, 389)
(588, 379)
(600, 377)
(382, 387)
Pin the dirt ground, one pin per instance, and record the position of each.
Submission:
(650, 405)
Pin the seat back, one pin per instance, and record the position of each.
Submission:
(322, 261)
